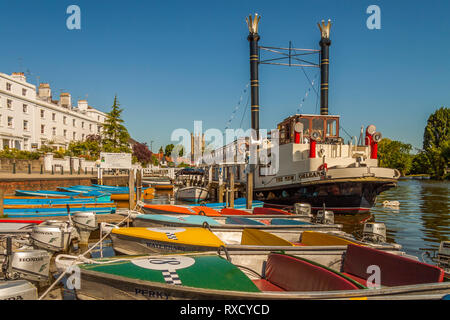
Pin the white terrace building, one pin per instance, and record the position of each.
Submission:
(30, 119)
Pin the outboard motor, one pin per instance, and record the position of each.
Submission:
(52, 237)
(17, 290)
(443, 256)
(374, 232)
(303, 209)
(85, 223)
(33, 265)
(325, 217)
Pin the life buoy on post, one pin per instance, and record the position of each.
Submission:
(323, 167)
(240, 149)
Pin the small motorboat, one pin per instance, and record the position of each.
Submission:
(239, 203)
(234, 222)
(192, 194)
(259, 275)
(175, 209)
(140, 240)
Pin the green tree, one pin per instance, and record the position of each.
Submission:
(115, 136)
(436, 143)
(168, 150)
(395, 154)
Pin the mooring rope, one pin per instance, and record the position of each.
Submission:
(82, 256)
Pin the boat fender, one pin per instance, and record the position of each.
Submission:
(323, 167)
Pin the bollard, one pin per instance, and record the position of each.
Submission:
(53, 169)
(42, 169)
(29, 168)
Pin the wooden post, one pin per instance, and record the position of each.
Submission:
(138, 185)
(231, 187)
(2, 196)
(131, 193)
(249, 190)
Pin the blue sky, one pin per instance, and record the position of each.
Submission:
(173, 62)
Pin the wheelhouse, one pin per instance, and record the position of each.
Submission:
(323, 128)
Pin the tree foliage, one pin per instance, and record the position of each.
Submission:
(168, 150)
(142, 153)
(436, 144)
(115, 136)
(395, 154)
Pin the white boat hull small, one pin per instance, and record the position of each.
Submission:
(192, 194)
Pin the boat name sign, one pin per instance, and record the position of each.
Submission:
(311, 175)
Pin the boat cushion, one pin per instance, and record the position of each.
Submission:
(265, 285)
(395, 270)
(294, 274)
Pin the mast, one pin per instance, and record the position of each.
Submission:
(324, 43)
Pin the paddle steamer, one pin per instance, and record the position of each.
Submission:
(312, 164)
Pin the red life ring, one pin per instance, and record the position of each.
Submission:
(323, 167)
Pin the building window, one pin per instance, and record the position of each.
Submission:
(24, 92)
(8, 86)
(42, 128)
(65, 133)
(98, 118)
(25, 125)
(90, 127)
(82, 136)
(25, 108)
(73, 122)
(65, 120)
(54, 116)
(42, 113)
(25, 144)
(82, 124)
(54, 131)
(9, 104)
(99, 128)
(10, 122)
(74, 136)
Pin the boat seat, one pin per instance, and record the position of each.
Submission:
(265, 285)
(395, 270)
(294, 274)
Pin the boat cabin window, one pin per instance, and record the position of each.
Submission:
(327, 128)
(331, 127)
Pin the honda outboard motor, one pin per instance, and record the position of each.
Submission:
(33, 265)
(443, 256)
(374, 232)
(52, 237)
(85, 223)
(303, 209)
(325, 217)
(17, 290)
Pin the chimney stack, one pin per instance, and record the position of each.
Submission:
(253, 38)
(44, 92)
(20, 76)
(65, 100)
(324, 65)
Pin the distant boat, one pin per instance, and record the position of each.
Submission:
(49, 193)
(54, 212)
(192, 194)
